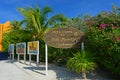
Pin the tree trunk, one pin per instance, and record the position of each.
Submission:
(84, 75)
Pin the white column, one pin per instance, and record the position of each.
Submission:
(46, 58)
(25, 54)
(38, 55)
(10, 56)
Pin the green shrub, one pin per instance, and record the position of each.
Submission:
(81, 62)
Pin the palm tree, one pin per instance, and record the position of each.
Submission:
(81, 62)
(16, 25)
(36, 20)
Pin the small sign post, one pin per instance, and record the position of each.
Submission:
(25, 57)
(21, 49)
(18, 57)
(10, 56)
(30, 59)
(11, 51)
(38, 56)
(46, 58)
(33, 49)
(13, 57)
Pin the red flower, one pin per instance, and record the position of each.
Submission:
(103, 26)
(118, 39)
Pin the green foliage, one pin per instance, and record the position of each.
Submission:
(81, 62)
(106, 47)
(60, 56)
(7, 39)
(103, 40)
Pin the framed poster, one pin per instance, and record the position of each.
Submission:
(20, 48)
(11, 49)
(33, 47)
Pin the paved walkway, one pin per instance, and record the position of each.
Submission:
(8, 71)
(21, 71)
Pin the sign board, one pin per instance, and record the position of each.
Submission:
(11, 49)
(64, 38)
(33, 47)
(20, 48)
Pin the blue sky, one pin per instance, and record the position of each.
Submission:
(70, 8)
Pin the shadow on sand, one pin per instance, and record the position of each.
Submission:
(35, 69)
(63, 74)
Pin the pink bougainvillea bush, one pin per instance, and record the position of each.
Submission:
(103, 40)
